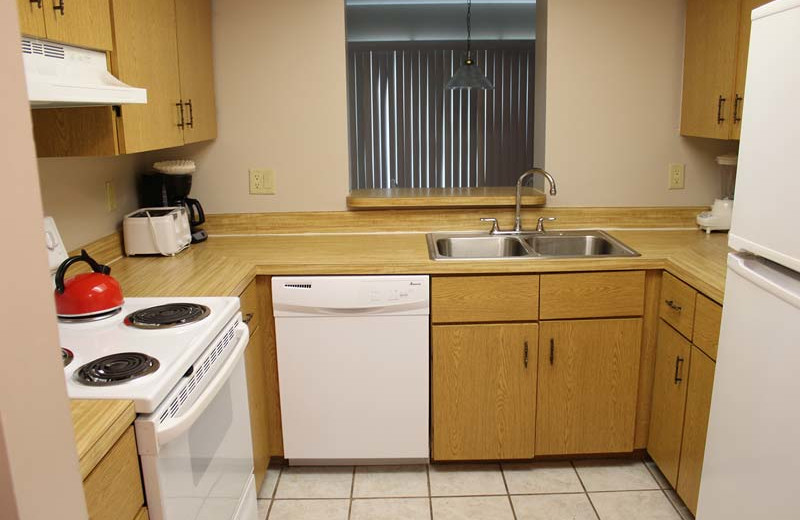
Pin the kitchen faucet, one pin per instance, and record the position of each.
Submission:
(518, 205)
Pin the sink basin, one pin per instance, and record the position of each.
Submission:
(552, 244)
(481, 246)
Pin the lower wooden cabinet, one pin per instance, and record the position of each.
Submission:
(256, 367)
(695, 428)
(588, 381)
(669, 401)
(484, 391)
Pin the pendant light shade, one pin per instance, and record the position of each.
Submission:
(469, 75)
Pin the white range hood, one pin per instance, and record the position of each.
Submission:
(65, 76)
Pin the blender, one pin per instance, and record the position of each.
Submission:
(719, 218)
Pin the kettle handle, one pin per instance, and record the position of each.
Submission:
(83, 257)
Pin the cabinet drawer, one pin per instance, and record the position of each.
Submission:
(592, 295)
(707, 320)
(250, 308)
(460, 299)
(677, 304)
(113, 489)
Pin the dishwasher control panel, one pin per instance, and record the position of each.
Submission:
(332, 295)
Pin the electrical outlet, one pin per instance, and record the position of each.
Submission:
(676, 176)
(111, 197)
(262, 181)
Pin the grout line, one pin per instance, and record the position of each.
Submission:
(585, 491)
(430, 499)
(274, 491)
(508, 492)
(352, 486)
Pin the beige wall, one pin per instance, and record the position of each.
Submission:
(39, 463)
(281, 104)
(614, 72)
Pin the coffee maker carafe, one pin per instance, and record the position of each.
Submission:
(169, 185)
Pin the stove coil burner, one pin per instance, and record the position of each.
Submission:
(169, 315)
(66, 356)
(116, 369)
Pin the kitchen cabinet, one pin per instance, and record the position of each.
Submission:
(715, 67)
(178, 75)
(462, 299)
(83, 23)
(587, 391)
(592, 295)
(707, 321)
(113, 489)
(677, 304)
(484, 391)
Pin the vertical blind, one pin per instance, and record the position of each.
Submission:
(408, 130)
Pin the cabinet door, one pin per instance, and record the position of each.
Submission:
(588, 380)
(709, 68)
(256, 368)
(31, 18)
(698, 406)
(669, 401)
(146, 55)
(743, 47)
(196, 69)
(484, 391)
(84, 23)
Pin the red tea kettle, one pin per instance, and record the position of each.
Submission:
(87, 294)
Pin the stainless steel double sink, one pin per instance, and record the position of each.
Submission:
(549, 244)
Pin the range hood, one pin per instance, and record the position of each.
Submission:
(65, 76)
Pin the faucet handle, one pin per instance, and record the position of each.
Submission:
(495, 228)
(541, 221)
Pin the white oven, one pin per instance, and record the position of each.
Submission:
(195, 448)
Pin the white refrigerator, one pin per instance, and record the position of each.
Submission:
(752, 459)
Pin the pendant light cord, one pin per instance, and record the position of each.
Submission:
(469, 27)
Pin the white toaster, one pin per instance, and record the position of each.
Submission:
(156, 231)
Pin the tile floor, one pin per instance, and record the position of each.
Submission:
(580, 490)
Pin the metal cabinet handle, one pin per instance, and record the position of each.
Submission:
(526, 354)
(179, 104)
(37, 2)
(190, 124)
(720, 104)
(737, 102)
(678, 365)
(552, 350)
(674, 306)
(59, 6)
(247, 317)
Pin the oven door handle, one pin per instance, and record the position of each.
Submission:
(172, 428)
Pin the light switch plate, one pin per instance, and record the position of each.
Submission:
(262, 181)
(676, 176)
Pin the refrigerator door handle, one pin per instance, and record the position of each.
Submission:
(773, 278)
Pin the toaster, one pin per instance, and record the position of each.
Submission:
(156, 231)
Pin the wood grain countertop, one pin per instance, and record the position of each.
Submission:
(98, 425)
(224, 265)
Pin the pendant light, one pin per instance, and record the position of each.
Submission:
(469, 75)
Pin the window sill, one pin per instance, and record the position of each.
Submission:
(416, 198)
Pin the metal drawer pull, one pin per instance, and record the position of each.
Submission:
(59, 6)
(552, 350)
(179, 104)
(526, 354)
(720, 104)
(37, 2)
(678, 365)
(736, 104)
(190, 124)
(247, 318)
(672, 305)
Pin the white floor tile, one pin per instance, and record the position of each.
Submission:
(309, 510)
(391, 509)
(663, 483)
(315, 482)
(466, 479)
(391, 481)
(472, 508)
(553, 507)
(615, 475)
(541, 477)
(263, 509)
(679, 505)
(268, 486)
(630, 505)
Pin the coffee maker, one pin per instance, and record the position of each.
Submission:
(169, 185)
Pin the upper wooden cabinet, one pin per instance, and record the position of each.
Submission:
(715, 66)
(588, 381)
(83, 23)
(175, 38)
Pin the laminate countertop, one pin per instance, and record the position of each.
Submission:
(98, 425)
(224, 265)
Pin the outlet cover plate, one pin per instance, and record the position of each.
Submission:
(262, 181)
(676, 176)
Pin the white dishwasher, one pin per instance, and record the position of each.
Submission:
(353, 362)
